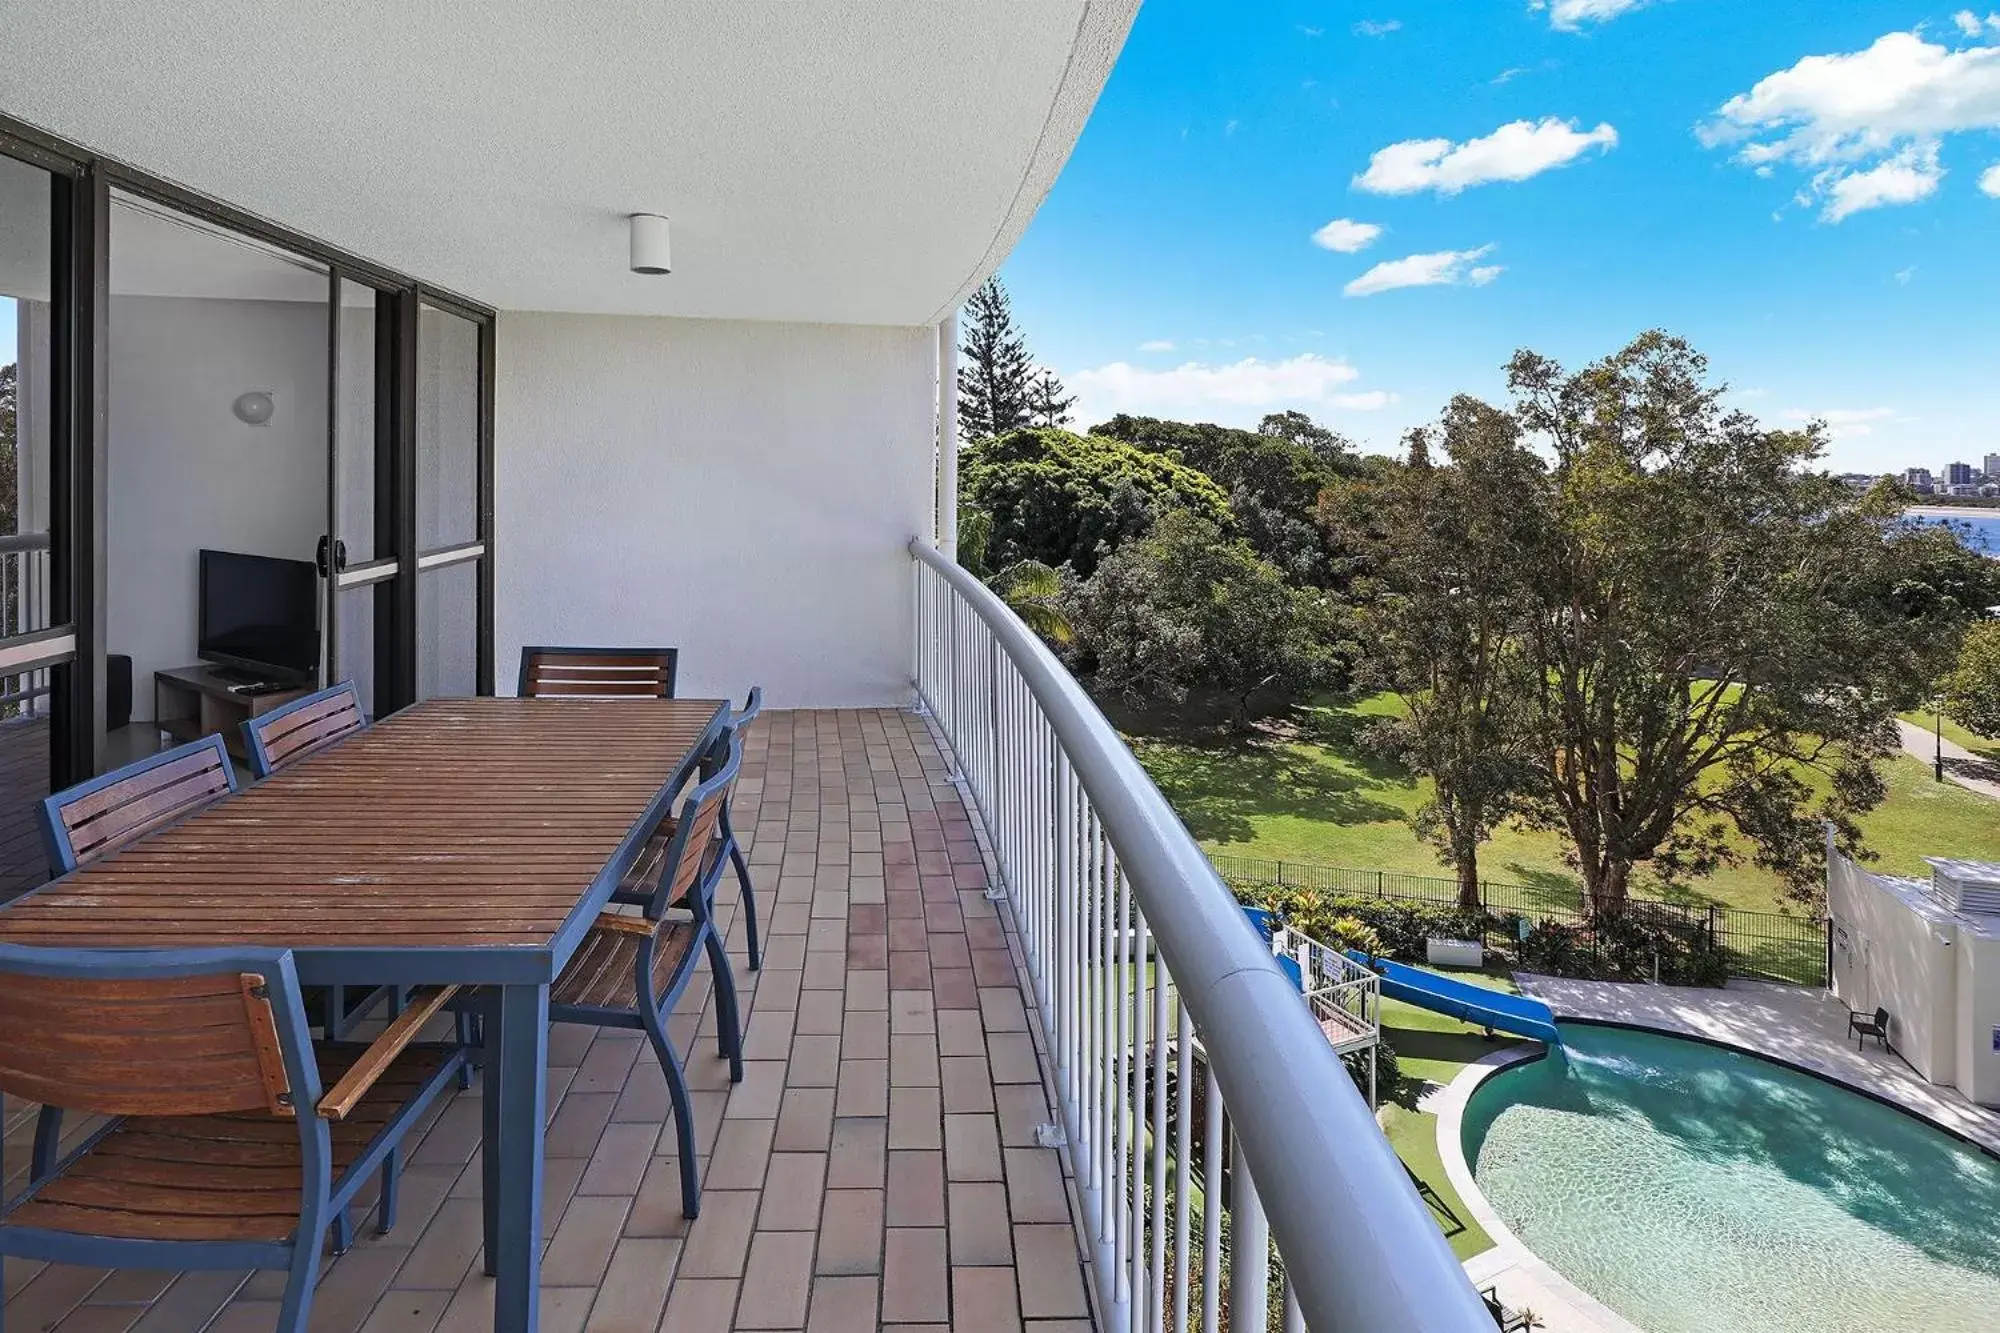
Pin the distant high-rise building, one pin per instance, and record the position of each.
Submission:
(1957, 474)
(1918, 479)
(1993, 467)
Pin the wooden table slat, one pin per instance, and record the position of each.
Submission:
(456, 823)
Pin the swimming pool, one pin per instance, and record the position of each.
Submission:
(1694, 1189)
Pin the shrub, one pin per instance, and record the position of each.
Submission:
(1627, 946)
(1400, 928)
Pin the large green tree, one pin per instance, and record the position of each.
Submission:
(1446, 605)
(1185, 608)
(1719, 635)
(1273, 477)
(995, 374)
(1971, 690)
(1065, 499)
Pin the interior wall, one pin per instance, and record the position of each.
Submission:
(184, 473)
(743, 491)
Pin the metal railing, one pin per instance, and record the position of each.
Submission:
(1134, 947)
(24, 609)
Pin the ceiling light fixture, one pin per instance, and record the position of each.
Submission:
(650, 250)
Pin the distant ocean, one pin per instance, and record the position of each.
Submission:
(1978, 528)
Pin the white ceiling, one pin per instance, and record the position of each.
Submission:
(860, 162)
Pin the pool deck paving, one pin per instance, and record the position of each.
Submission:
(1796, 1025)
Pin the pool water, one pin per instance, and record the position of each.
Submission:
(1697, 1190)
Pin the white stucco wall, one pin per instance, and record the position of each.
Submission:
(744, 491)
(183, 473)
(1893, 950)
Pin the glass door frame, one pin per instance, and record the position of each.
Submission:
(82, 182)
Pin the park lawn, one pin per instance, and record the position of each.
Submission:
(1324, 798)
(1433, 1047)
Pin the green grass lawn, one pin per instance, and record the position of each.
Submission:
(1433, 1047)
(1325, 798)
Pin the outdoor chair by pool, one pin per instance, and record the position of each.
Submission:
(1863, 1027)
(631, 969)
(225, 1147)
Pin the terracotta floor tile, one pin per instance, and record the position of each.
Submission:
(907, 1208)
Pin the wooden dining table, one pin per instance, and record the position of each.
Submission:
(466, 841)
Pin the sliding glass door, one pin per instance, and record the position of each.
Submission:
(38, 641)
(451, 509)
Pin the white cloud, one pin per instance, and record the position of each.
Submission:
(1845, 423)
(1156, 345)
(1570, 15)
(1346, 236)
(1236, 393)
(1972, 25)
(1377, 27)
(1514, 152)
(1909, 177)
(1867, 123)
(1989, 180)
(1444, 268)
(1903, 275)
(1902, 91)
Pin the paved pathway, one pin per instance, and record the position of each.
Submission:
(1961, 765)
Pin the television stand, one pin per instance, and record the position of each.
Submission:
(194, 701)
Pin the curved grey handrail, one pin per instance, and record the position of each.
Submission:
(1327, 1177)
(23, 541)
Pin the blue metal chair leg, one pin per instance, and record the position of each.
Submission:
(48, 1142)
(385, 1211)
(677, 1089)
(468, 1036)
(342, 1231)
(749, 897)
(729, 1030)
(304, 1276)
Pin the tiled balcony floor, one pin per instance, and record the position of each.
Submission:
(876, 1167)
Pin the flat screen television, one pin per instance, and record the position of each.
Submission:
(259, 615)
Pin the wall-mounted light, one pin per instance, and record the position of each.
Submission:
(254, 408)
(650, 250)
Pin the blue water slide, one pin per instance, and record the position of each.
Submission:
(1267, 926)
(1521, 1015)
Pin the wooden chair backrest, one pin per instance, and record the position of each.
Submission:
(96, 818)
(112, 1034)
(302, 726)
(699, 824)
(598, 673)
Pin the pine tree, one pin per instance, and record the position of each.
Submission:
(995, 376)
(1048, 405)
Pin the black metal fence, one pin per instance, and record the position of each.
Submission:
(1769, 946)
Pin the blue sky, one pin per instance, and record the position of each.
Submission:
(1801, 187)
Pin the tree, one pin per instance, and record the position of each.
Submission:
(995, 375)
(1031, 589)
(1273, 477)
(1971, 692)
(1048, 405)
(1068, 499)
(1448, 604)
(1296, 428)
(1185, 607)
(10, 485)
(1717, 638)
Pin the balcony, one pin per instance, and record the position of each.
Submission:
(947, 1115)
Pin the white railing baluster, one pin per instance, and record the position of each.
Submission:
(1156, 1004)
